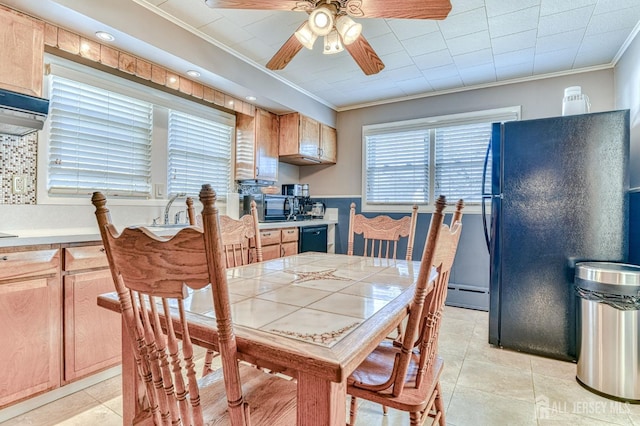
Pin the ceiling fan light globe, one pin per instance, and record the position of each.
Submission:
(321, 20)
(349, 29)
(332, 43)
(306, 36)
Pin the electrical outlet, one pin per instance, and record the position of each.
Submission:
(159, 190)
(19, 184)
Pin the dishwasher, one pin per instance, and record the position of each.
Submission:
(313, 238)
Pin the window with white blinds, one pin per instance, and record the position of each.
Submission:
(98, 141)
(459, 163)
(415, 161)
(199, 152)
(397, 167)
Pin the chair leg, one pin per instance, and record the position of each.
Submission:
(208, 360)
(415, 418)
(353, 411)
(439, 405)
(385, 410)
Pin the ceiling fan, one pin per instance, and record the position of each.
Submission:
(331, 19)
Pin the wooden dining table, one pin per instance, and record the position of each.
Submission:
(315, 316)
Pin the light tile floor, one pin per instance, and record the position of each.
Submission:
(482, 385)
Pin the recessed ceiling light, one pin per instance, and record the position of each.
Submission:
(105, 36)
(193, 73)
(251, 98)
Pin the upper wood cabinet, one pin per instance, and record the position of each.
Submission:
(22, 53)
(304, 141)
(257, 146)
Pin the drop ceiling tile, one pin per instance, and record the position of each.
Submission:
(614, 20)
(469, 43)
(415, 86)
(409, 28)
(524, 56)
(478, 74)
(397, 60)
(408, 72)
(193, 12)
(386, 44)
(514, 42)
(226, 32)
(440, 73)
(435, 59)
(423, 44)
(374, 27)
(246, 17)
(514, 22)
(565, 21)
(464, 23)
(559, 41)
(603, 46)
(452, 82)
(606, 6)
(558, 60)
(255, 49)
(514, 71)
(501, 7)
(479, 57)
(461, 6)
(551, 7)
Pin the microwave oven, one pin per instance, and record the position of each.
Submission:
(271, 208)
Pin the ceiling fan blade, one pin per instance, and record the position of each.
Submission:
(286, 53)
(365, 56)
(403, 9)
(252, 4)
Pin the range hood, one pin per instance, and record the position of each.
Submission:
(21, 114)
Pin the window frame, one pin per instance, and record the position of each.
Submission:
(162, 103)
(431, 123)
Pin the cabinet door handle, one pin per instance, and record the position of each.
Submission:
(281, 251)
(4, 258)
(102, 250)
(257, 171)
(266, 234)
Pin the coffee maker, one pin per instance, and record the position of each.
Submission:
(300, 199)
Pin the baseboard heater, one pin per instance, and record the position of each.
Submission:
(468, 296)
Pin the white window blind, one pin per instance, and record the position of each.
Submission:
(397, 167)
(415, 161)
(199, 152)
(99, 141)
(460, 153)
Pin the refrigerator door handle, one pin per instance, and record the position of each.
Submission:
(485, 196)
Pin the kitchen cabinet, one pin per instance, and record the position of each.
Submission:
(278, 242)
(304, 141)
(257, 146)
(31, 318)
(22, 53)
(91, 334)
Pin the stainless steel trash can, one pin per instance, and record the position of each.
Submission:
(609, 329)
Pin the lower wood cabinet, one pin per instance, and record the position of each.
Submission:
(91, 333)
(31, 318)
(278, 242)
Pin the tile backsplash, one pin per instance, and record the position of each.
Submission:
(18, 157)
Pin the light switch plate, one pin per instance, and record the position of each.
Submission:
(158, 190)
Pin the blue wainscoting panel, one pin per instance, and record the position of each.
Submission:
(634, 228)
(469, 281)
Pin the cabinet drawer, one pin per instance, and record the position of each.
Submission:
(289, 249)
(76, 258)
(289, 234)
(24, 264)
(269, 236)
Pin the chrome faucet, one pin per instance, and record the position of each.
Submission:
(168, 206)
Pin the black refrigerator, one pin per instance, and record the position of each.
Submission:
(558, 195)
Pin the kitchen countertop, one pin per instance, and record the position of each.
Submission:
(79, 235)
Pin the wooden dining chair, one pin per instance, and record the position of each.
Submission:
(382, 233)
(153, 276)
(406, 376)
(240, 244)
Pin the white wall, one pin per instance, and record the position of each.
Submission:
(627, 91)
(538, 99)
